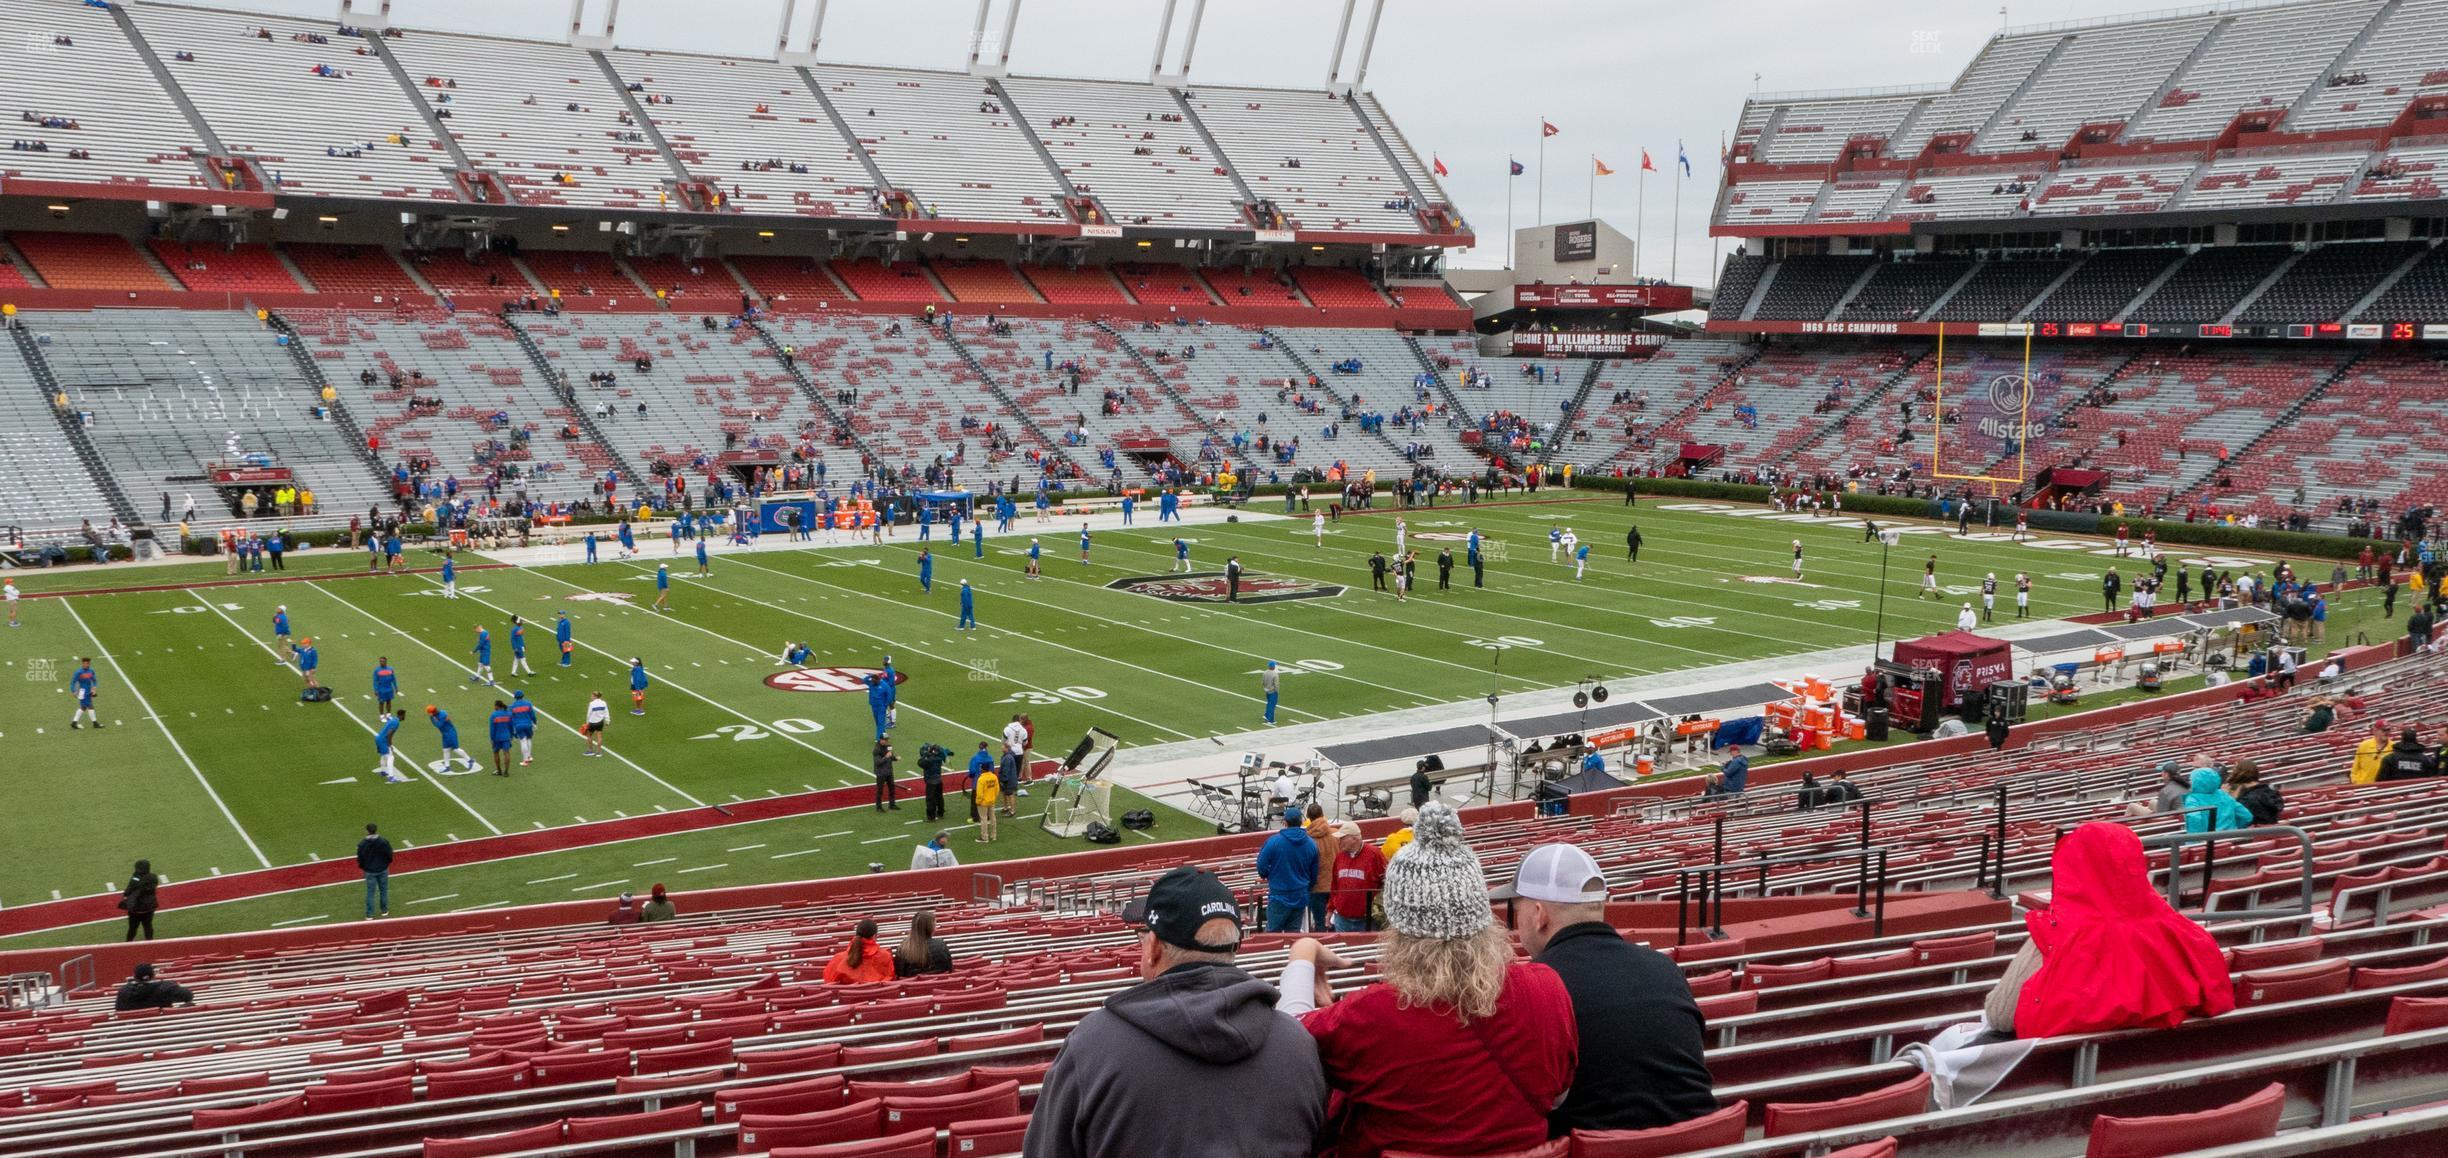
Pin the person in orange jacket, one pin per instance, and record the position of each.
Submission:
(862, 962)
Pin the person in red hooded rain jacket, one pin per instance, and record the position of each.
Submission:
(2108, 953)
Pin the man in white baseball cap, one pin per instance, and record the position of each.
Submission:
(1641, 1065)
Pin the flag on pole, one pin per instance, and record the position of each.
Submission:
(1547, 130)
(1517, 166)
(1646, 167)
(1599, 168)
(1437, 164)
(1683, 159)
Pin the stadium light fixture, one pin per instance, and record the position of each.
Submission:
(560, 229)
(328, 219)
(765, 233)
(1147, 245)
(58, 209)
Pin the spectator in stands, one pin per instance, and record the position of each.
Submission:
(2208, 808)
(2406, 760)
(2107, 953)
(658, 907)
(862, 961)
(1288, 862)
(922, 952)
(2322, 715)
(1321, 888)
(1359, 870)
(624, 911)
(1641, 1063)
(1178, 1063)
(142, 897)
(145, 990)
(1737, 770)
(1400, 838)
(1458, 1048)
(2258, 798)
(2174, 782)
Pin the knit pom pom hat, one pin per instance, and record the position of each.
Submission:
(1436, 888)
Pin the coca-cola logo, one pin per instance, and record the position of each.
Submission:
(1211, 587)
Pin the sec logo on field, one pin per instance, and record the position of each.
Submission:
(828, 679)
(1209, 587)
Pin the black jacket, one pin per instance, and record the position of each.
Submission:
(138, 897)
(374, 855)
(2406, 761)
(930, 764)
(1118, 1089)
(938, 960)
(1641, 1063)
(2263, 802)
(153, 994)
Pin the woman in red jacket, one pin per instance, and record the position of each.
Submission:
(1459, 1049)
(2108, 953)
(862, 962)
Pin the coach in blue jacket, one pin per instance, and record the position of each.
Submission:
(1289, 862)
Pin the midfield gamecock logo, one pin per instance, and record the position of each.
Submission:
(828, 679)
(1208, 587)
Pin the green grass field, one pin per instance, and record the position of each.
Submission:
(210, 764)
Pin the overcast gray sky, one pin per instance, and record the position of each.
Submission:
(1467, 82)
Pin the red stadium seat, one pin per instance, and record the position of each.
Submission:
(1872, 963)
(2245, 958)
(1707, 950)
(1026, 1073)
(934, 1112)
(986, 1137)
(681, 1057)
(1729, 1005)
(764, 1062)
(1711, 984)
(2415, 1014)
(585, 1067)
(849, 1123)
(293, 1106)
(1722, 1128)
(1771, 976)
(820, 1093)
(2382, 978)
(918, 1144)
(610, 1126)
(897, 1051)
(480, 1145)
(1948, 950)
(1899, 1100)
(1883, 1148)
(2249, 1120)
(189, 1087)
(335, 1099)
(2293, 984)
(642, 1083)
(1022, 1036)
(862, 1089)
(491, 1079)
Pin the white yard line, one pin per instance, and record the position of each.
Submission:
(70, 606)
(436, 781)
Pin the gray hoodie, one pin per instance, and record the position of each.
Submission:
(1193, 1064)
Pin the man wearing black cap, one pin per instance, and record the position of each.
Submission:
(1193, 1060)
(1641, 1064)
(146, 991)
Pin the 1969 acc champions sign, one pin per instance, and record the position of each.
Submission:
(828, 679)
(1208, 587)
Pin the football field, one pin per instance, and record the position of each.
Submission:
(210, 765)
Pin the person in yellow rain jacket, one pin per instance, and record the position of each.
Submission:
(2366, 767)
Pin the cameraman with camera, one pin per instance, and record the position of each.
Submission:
(931, 759)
